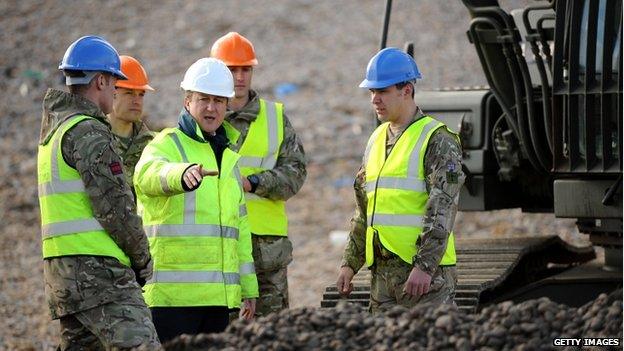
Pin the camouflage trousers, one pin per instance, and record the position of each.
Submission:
(388, 277)
(271, 254)
(112, 326)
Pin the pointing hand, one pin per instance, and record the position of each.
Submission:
(193, 175)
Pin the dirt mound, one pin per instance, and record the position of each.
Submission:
(531, 325)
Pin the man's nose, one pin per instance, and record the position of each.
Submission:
(375, 98)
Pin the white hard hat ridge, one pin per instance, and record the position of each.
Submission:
(209, 76)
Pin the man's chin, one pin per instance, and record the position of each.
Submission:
(241, 93)
(209, 127)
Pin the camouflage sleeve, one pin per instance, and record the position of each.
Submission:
(444, 177)
(354, 253)
(287, 177)
(88, 148)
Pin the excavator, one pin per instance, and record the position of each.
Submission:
(545, 136)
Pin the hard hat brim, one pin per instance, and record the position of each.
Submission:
(372, 84)
(117, 73)
(212, 93)
(123, 84)
(208, 92)
(253, 62)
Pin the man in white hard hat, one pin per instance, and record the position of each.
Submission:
(190, 194)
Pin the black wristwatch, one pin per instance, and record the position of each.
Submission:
(254, 181)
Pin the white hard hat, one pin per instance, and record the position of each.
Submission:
(209, 76)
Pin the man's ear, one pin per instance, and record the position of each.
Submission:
(187, 101)
(100, 81)
(408, 90)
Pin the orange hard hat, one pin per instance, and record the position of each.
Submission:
(234, 50)
(137, 77)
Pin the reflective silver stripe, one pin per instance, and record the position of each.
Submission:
(412, 184)
(399, 220)
(163, 178)
(250, 161)
(271, 113)
(194, 277)
(211, 230)
(231, 278)
(189, 207)
(54, 169)
(176, 140)
(70, 227)
(237, 175)
(247, 268)
(56, 175)
(239, 179)
(242, 210)
(369, 146)
(229, 232)
(414, 160)
(61, 187)
(189, 197)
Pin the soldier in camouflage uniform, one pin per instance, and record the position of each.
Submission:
(90, 263)
(130, 133)
(422, 278)
(276, 183)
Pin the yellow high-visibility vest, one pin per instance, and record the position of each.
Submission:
(259, 152)
(68, 226)
(397, 193)
(199, 240)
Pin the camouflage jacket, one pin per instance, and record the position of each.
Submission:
(76, 283)
(287, 177)
(130, 149)
(444, 179)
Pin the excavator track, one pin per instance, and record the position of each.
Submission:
(489, 267)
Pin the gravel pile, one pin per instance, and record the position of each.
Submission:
(531, 325)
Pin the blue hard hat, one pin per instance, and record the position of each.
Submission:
(388, 67)
(92, 53)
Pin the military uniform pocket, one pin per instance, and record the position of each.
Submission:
(438, 280)
(271, 253)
